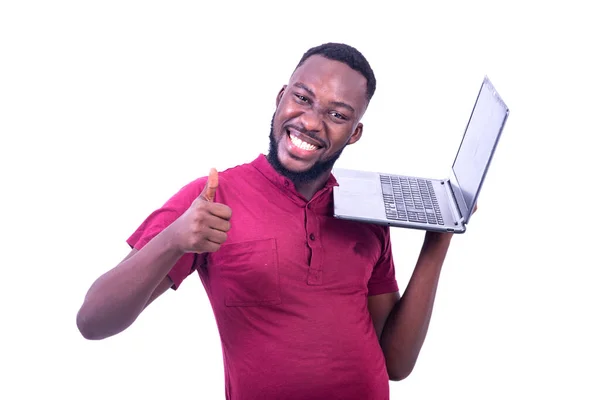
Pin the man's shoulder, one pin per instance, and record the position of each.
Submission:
(194, 187)
(381, 231)
(243, 173)
(363, 229)
(238, 171)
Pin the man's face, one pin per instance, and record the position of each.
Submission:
(317, 115)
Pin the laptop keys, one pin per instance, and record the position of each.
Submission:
(410, 199)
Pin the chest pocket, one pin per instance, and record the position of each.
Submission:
(249, 273)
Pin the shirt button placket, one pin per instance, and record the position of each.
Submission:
(315, 273)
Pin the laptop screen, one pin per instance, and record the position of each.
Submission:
(479, 142)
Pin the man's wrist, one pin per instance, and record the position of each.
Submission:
(438, 237)
(435, 245)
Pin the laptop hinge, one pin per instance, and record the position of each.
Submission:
(458, 218)
(461, 203)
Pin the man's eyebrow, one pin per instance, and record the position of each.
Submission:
(343, 105)
(335, 103)
(305, 88)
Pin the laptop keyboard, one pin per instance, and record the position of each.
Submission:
(410, 199)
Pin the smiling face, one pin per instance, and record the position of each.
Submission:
(318, 114)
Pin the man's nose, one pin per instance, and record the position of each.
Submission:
(312, 120)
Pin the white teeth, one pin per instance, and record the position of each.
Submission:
(302, 144)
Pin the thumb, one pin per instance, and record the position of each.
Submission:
(208, 193)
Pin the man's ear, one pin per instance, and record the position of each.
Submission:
(356, 135)
(280, 95)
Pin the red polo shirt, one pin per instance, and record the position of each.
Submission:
(288, 289)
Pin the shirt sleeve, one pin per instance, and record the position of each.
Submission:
(161, 218)
(383, 278)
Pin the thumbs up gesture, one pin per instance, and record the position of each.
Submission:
(204, 225)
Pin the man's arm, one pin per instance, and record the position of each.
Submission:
(402, 323)
(117, 298)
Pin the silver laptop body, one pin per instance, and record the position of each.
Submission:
(443, 205)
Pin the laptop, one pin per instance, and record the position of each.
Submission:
(441, 205)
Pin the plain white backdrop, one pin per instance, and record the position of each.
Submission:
(108, 108)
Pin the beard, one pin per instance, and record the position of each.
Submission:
(310, 175)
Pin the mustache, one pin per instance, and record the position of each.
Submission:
(306, 132)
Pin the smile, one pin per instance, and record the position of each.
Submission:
(301, 144)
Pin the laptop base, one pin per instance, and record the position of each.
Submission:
(396, 201)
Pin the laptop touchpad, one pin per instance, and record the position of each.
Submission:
(352, 186)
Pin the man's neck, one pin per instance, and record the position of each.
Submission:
(308, 189)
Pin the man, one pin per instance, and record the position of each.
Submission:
(307, 306)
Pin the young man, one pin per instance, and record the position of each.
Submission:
(307, 306)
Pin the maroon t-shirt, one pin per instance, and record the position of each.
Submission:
(288, 288)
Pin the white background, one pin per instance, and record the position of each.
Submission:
(108, 108)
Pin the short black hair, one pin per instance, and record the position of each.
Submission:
(349, 56)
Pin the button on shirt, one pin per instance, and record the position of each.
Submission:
(288, 288)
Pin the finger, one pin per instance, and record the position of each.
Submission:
(213, 222)
(210, 247)
(218, 223)
(208, 193)
(220, 210)
(217, 237)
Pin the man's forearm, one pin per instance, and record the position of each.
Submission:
(117, 298)
(406, 327)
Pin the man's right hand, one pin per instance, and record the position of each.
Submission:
(203, 227)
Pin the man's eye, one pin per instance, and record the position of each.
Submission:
(302, 98)
(337, 115)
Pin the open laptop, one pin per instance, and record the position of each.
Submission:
(443, 205)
